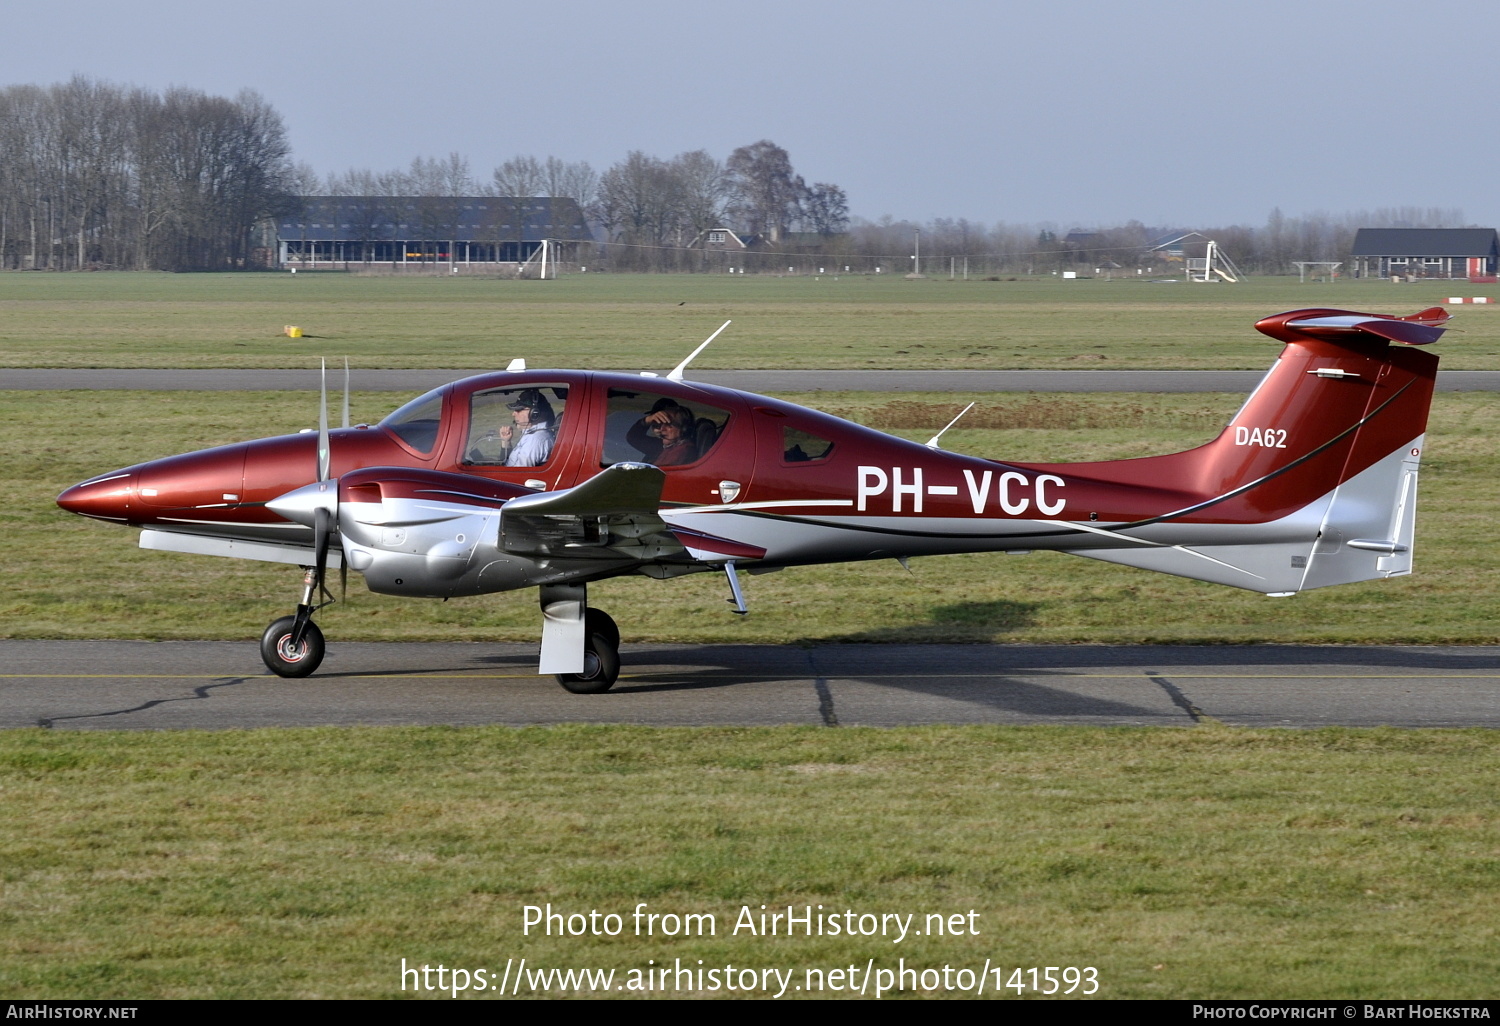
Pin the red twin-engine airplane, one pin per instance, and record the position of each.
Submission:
(552, 479)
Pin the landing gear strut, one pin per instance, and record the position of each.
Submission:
(293, 645)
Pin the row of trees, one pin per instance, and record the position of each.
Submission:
(651, 209)
(96, 175)
(1271, 248)
(647, 210)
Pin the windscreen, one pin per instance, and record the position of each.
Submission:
(417, 422)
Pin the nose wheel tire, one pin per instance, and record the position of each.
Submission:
(601, 666)
(284, 660)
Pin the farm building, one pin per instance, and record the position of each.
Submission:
(1426, 252)
(409, 232)
(723, 240)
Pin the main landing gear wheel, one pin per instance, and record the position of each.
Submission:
(597, 621)
(285, 661)
(601, 664)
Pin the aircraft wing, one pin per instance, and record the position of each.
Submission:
(613, 515)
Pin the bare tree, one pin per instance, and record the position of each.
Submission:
(769, 193)
(704, 187)
(520, 177)
(216, 168)
(826, 209)
(575, 181)
(96, 175)
(640, 206)
(304, 180)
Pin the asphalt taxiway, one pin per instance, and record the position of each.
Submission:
(222, 685)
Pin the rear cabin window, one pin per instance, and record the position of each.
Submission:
(648, 427)
(798, 446)
(514, 427)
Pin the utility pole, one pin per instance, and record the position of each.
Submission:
(916, 258)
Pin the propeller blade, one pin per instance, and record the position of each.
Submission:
(346, 392)
(324, 460)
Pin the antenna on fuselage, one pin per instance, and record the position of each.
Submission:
(932, 443)
(346, 392)
(675, 374)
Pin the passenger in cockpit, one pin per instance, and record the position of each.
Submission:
(534, 421)
(677, 444)
(665, 435)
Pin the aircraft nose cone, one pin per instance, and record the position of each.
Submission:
(103, 498)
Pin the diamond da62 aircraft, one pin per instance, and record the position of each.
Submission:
(552, 479)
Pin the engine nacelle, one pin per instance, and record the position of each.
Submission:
(424, 533)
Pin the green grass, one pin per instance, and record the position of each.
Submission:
(1195, 863)
(651, 321)
(79, 579)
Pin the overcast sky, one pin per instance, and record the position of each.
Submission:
(1085, 113)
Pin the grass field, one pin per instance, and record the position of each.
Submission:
(639, 322)
(1203, 863)
(88, 580)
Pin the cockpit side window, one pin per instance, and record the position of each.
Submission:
(648, 427)
(417, 422)
(514, 427)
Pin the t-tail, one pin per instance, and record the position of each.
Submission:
(1314, 481)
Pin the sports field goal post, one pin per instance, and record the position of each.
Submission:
(1310, 267)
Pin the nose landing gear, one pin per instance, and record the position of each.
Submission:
(293, 645)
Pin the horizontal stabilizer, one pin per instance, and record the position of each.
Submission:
(1419, 329)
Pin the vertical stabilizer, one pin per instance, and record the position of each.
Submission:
(1314, 481)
